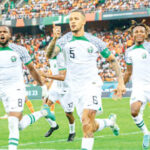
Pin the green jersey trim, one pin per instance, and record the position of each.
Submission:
(5, 49)
(106, 53)
(59, 48)
(54, 57)
(83, 38)
(129, 63)
(139, 46)
(28, 62)
(62, 69)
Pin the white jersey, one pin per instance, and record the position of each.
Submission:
(11, 60)
(139, 58)
(57, 64)
(53, 66)
(80, 55)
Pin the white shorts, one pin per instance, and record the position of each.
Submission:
(64, 98)
(13, 99)
(90, 98)
(142, 94)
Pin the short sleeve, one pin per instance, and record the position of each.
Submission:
(100, 45)
(25, 57)
(63, 40)
(23, 53)
(61, 62)
(128, 58)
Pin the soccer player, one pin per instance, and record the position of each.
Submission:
(81, 51)
(29, 105)
(138, 61)
(12, 88)
(59, 91)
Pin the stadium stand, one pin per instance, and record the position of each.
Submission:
(44, 8)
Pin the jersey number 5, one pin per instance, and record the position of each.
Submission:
(72, 54)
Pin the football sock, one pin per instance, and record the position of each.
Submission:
(87, 143)
(103, 123)
(29, 119)
(140, 123)
(72, 128)
(52, 123)
(13, 123)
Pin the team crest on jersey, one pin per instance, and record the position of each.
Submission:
(144, 56)
(13, 58)
(90, 49)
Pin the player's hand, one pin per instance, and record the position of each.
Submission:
(56, 31)
(44, 91)
(121, 89)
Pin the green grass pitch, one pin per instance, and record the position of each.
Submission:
(130, 137)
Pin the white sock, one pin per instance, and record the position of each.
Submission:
(29, 119)
(13, 125)
(140, 123)
(87, 143)
(103, 123)
(52, 123)
(72, 128)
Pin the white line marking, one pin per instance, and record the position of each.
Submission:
(76, 139)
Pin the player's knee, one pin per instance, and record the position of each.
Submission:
(49, 103)
(134, 112)
(86, 124)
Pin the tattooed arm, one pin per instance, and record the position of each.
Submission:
(52, 50)
(115, 65)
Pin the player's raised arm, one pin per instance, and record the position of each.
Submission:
(52, 50)
(121, 87)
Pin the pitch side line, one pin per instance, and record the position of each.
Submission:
(76, 139)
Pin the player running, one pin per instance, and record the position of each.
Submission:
(59, 91)
(138, 61)
(81, 51)
(12, 87)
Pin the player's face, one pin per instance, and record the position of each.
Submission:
(139, 34)
(4, 35)
(77, 21)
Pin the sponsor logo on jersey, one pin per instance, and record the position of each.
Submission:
(144, 56)
(90, 49)
(13, 58)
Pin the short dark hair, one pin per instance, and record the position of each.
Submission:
(78, 10)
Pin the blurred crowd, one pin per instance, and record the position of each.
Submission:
(117, 42)
(45, 8)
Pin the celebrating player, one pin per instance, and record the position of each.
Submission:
(59, 90)
(81, 51)
(12, 88)
(138, 60)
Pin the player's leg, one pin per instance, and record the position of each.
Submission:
(13, 102)
(53, 125)
(29, 105)
(71, 120)
(91, 104)
(68, 106)
(137, 115)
